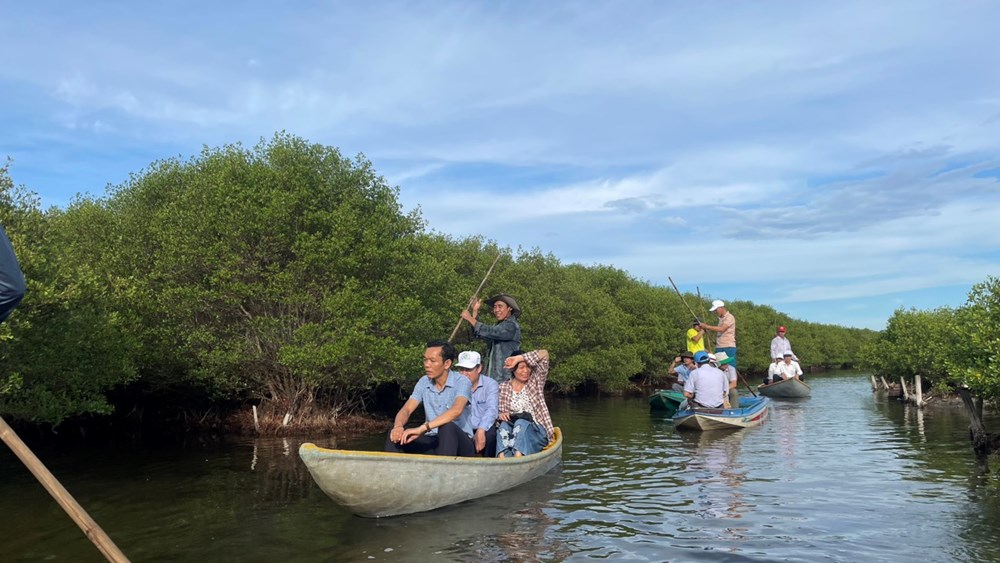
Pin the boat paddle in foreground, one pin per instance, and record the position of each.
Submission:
(376, 484)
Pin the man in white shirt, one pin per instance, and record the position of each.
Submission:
(774, 370)
(707, 385)
(789, 368)
(780, 344)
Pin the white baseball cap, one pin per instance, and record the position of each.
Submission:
(716, 304)
(468, 359)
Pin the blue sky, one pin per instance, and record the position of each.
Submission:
(835, 160)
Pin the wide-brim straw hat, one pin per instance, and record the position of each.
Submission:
(506, 299)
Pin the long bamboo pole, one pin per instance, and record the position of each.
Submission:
(62, 496)
(743, 379)
(702, 303)
(475, 296)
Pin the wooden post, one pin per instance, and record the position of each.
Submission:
(902, 383)
(288, 416)
(917, 391)
(90, 528)
(256, 421)
(884, 382)
(874, 384)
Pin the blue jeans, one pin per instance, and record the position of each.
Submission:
(521, 436)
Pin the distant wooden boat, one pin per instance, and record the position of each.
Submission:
(375, 484)
(786, 389)
(666, 401)
(752, 412)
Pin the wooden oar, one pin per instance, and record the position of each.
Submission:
(475, 296)
(62, 496)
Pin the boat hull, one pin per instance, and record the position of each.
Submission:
(786, 389)
(753, 411)
(666, 401)
(376, 484)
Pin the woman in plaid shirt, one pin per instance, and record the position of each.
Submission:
(525, 424)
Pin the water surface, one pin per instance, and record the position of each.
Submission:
(841, 476)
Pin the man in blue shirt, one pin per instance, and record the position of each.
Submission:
(485, 402)
(446, 397)
(681, 368)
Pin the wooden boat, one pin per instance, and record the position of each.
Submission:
(786, 389)
(752, 412)
(375, 484)
(666, 401)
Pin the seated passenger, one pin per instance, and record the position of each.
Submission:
(525, 426)
(445, 395)
(726, 365)
(774, 371)
(485, 402)
(681, 368)
(707, 386)
(789, 368)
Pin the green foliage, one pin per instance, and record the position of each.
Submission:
(977, 363)
(286, 273)
(948, 346)
(67, 344)
(914, 342)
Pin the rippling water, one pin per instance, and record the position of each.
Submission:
(842, 476)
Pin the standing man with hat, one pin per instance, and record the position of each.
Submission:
(726, 329)
(485, 403)
(502, 338)
(780, 344)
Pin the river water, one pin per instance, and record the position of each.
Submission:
(841, 476)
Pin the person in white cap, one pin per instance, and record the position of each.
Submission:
(485, 403)
(790, 368)
(502, 338)
(726, 328)
(774, 370)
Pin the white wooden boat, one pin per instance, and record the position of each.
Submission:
(375, 484)
(786, 389)
(752, 412)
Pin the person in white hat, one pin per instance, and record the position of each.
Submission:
(774, 370)
(789, 368)
(726, 328)
(502, 338)
(485, 403)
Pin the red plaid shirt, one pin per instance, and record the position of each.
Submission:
(535, 387)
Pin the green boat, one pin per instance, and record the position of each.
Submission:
(665, 401)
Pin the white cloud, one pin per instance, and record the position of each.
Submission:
(849, 137)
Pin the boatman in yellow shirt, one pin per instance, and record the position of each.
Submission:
(695, 337)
